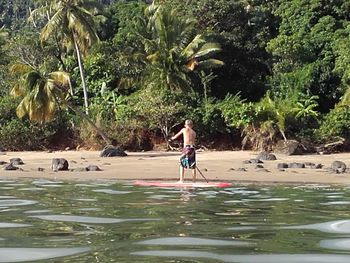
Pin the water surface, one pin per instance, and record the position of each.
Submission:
(56, 221)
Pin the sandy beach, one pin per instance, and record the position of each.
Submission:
(216, 166)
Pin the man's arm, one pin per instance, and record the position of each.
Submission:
(177, 135)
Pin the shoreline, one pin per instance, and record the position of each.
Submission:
(215, 165)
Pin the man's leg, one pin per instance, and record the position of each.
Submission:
(194, 174)
(181, 174)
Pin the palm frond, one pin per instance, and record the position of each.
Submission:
(207, 50)
(209, 63)
(57, 21)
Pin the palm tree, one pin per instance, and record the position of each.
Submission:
(43, 94)
(74, 23)
(173, 49)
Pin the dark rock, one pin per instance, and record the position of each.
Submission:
(309, 164)
(259, 166)
(2, 162)
(16, 161)
(338, 167)
(282, 170)
(296, 165)
(41, 169)
(266, 156)
(111, 151)
(59, 164)
(254, 161)
(10, 167)
(282, 165)
(290, 147)
(242, 169)
(319, 166)
(93, 168)
(79, 169)
(316, 166)
(232, 169)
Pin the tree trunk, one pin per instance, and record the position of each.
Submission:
(82, 77)
(85, 117)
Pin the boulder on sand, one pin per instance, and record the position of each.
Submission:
(111, 151)
(59, 164)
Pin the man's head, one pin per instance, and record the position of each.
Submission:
(188, 123)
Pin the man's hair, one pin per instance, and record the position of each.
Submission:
(189, 123)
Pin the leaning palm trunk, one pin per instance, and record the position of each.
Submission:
(85, 117)
(81, 70)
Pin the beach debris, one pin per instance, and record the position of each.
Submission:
(59, 164)
(242, 169)
(2, 162)
(331, 147)
(93, 168)
(111, 151)
(259, 166)
(296, 165)
(282, 165)
(16, 161)
(263, 170)
(40, 169)
(338, 167)
(10, 167)
(266, 156)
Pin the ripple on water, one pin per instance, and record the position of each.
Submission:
(31, 189)
(337, 203)
(43, 181)
(339, 243)
(91, 220)
(13, 225)
(16, 202)
(9, 255)
(190, 241)
(110, 191)
(38, 211)
(339, 226)
(263, 258)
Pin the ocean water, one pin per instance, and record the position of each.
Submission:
(57, 221)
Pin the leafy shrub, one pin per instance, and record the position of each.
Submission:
(335, 124)
(20, 134)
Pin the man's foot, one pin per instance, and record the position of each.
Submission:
(180, 182)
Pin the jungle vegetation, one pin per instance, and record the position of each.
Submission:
(85, 73)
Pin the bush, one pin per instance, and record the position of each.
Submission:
(20, 134)
(335, 124)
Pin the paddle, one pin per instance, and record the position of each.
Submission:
(201, 174)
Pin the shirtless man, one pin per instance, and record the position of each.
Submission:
(188, 157)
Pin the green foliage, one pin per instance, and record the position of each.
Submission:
(159, 109)
(336, 124)
(236, 113)
(305, 50)
(19, 135)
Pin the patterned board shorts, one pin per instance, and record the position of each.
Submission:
(188, 157)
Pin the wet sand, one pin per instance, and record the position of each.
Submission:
(215, 165)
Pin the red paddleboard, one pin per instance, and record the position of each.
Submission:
(182, 185)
